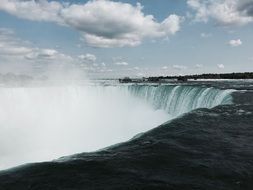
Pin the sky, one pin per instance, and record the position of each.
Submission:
(108, 39)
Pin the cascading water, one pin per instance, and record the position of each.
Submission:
(45, 122)
(177, 100)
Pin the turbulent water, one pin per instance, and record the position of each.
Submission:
(43, 123)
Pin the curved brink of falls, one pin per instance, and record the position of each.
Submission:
(177, 100)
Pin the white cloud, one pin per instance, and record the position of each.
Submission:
(48, 52)
(13, 50)
(198, 66)
(115, 24)
(205, 35)
(140, 74)
(117, 59)
(235, 43)
(179, 67)
(40, 10)
(225, 12)
(21, 55)
(164, 67)
(47, 55)
(123, 63)
(88, 58)
(220, 66)
(5, 31)
(11, 46)
(103, 23)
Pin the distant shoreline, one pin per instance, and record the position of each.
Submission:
(208, 76)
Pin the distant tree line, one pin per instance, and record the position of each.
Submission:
(246, 75)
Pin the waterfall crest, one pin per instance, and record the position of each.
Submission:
(177, 100)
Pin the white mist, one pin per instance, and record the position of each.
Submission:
(47, 122)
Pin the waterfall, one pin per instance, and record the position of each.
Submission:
(41, 123)
(177, 100)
